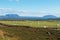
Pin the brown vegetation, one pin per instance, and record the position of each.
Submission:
(28, 33)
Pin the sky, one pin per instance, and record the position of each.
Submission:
(36, 8)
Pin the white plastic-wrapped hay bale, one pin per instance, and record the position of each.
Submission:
(45, 26)
(57, 25)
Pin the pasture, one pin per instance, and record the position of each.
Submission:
(23, 33)
(34, 32)
(39, 24)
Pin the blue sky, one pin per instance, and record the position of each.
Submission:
(30, 7)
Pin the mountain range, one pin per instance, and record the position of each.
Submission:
(17, 17)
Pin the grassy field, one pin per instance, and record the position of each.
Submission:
(31, 33)
(33, 23)
(23, 33)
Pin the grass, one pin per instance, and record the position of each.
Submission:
(33, 23)
(23, 33)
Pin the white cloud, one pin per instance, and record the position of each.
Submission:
(14, 0)
(20, 12)
(17, 0)
(10, 0)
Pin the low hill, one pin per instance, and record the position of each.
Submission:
(49, 16)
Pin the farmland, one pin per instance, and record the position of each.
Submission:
(34, 31)
(33, 23)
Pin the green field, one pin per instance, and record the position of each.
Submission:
(33, 23)
(29, 33)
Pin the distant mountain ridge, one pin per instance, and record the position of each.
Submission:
(49, 16)
(17, 17)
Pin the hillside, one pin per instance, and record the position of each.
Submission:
(28, 33)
